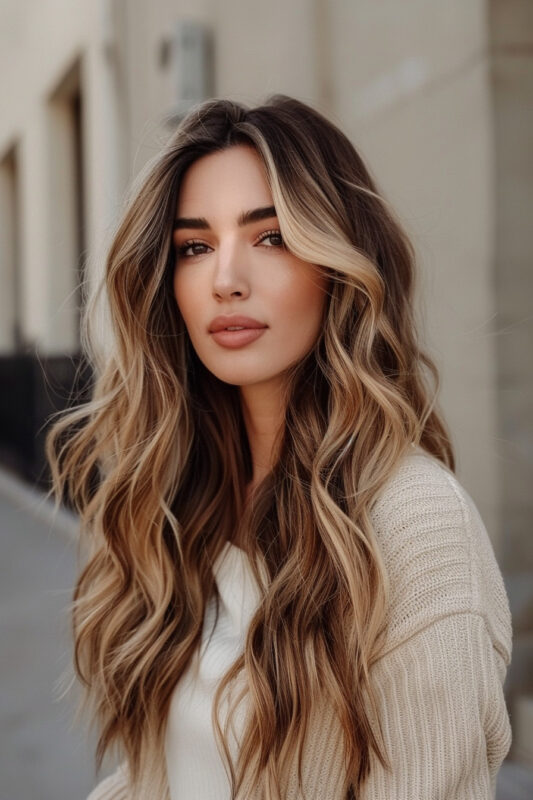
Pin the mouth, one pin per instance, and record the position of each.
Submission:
(237, 336)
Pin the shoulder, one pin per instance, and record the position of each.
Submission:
(437, 553)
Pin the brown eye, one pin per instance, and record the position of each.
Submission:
(182, 250)
(276, 235)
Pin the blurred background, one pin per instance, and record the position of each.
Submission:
(437, 95)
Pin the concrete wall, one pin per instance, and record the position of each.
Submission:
(40, 44)
(411, 86)
(512, 32)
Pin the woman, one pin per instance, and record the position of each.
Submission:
(288, 593)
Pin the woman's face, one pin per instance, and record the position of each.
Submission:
(232, 263)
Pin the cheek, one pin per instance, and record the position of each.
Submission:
(306, 301)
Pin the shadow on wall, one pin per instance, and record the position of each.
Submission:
(33, 388)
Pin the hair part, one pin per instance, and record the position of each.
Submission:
(156, 464)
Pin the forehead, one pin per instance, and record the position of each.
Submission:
(225, 178)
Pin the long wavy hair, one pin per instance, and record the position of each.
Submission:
(157, 461)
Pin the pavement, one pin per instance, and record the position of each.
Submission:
(44, 753)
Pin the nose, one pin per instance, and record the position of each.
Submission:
(230, 278)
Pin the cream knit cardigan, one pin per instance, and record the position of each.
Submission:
(440, 680)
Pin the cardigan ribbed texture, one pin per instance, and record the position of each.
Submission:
(439, 681)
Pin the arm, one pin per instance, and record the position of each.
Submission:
(443, 714)
(440, 678)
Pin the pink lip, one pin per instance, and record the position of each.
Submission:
(226, 320)
(252, 329)
(234, 339)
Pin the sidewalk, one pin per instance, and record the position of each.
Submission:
(42, 756)
(514, 782)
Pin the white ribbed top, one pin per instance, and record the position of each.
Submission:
(439, 682)
(194, 766)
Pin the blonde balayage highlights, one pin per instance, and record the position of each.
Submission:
(157, 462)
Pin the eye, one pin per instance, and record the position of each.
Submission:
(272, 235)
(182, 250)
(196, 246)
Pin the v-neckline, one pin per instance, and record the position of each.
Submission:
(238, 589)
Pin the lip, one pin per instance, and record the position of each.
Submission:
(233, 339)
(226, 320)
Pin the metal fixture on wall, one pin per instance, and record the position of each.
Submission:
(190, 52)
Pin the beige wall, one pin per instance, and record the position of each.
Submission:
(411, 86)
(39, 44)
(408, 82)
(512, 30)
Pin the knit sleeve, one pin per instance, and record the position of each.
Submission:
(437, 554)
(443, 715)
(439, 679)
(115, 787)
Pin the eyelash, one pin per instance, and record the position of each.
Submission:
(185, 246)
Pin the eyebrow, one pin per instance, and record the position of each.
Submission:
(245, 218)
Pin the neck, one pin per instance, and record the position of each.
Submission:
(264, 414)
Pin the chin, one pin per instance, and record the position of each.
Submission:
(240, 380)
(242, 377)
